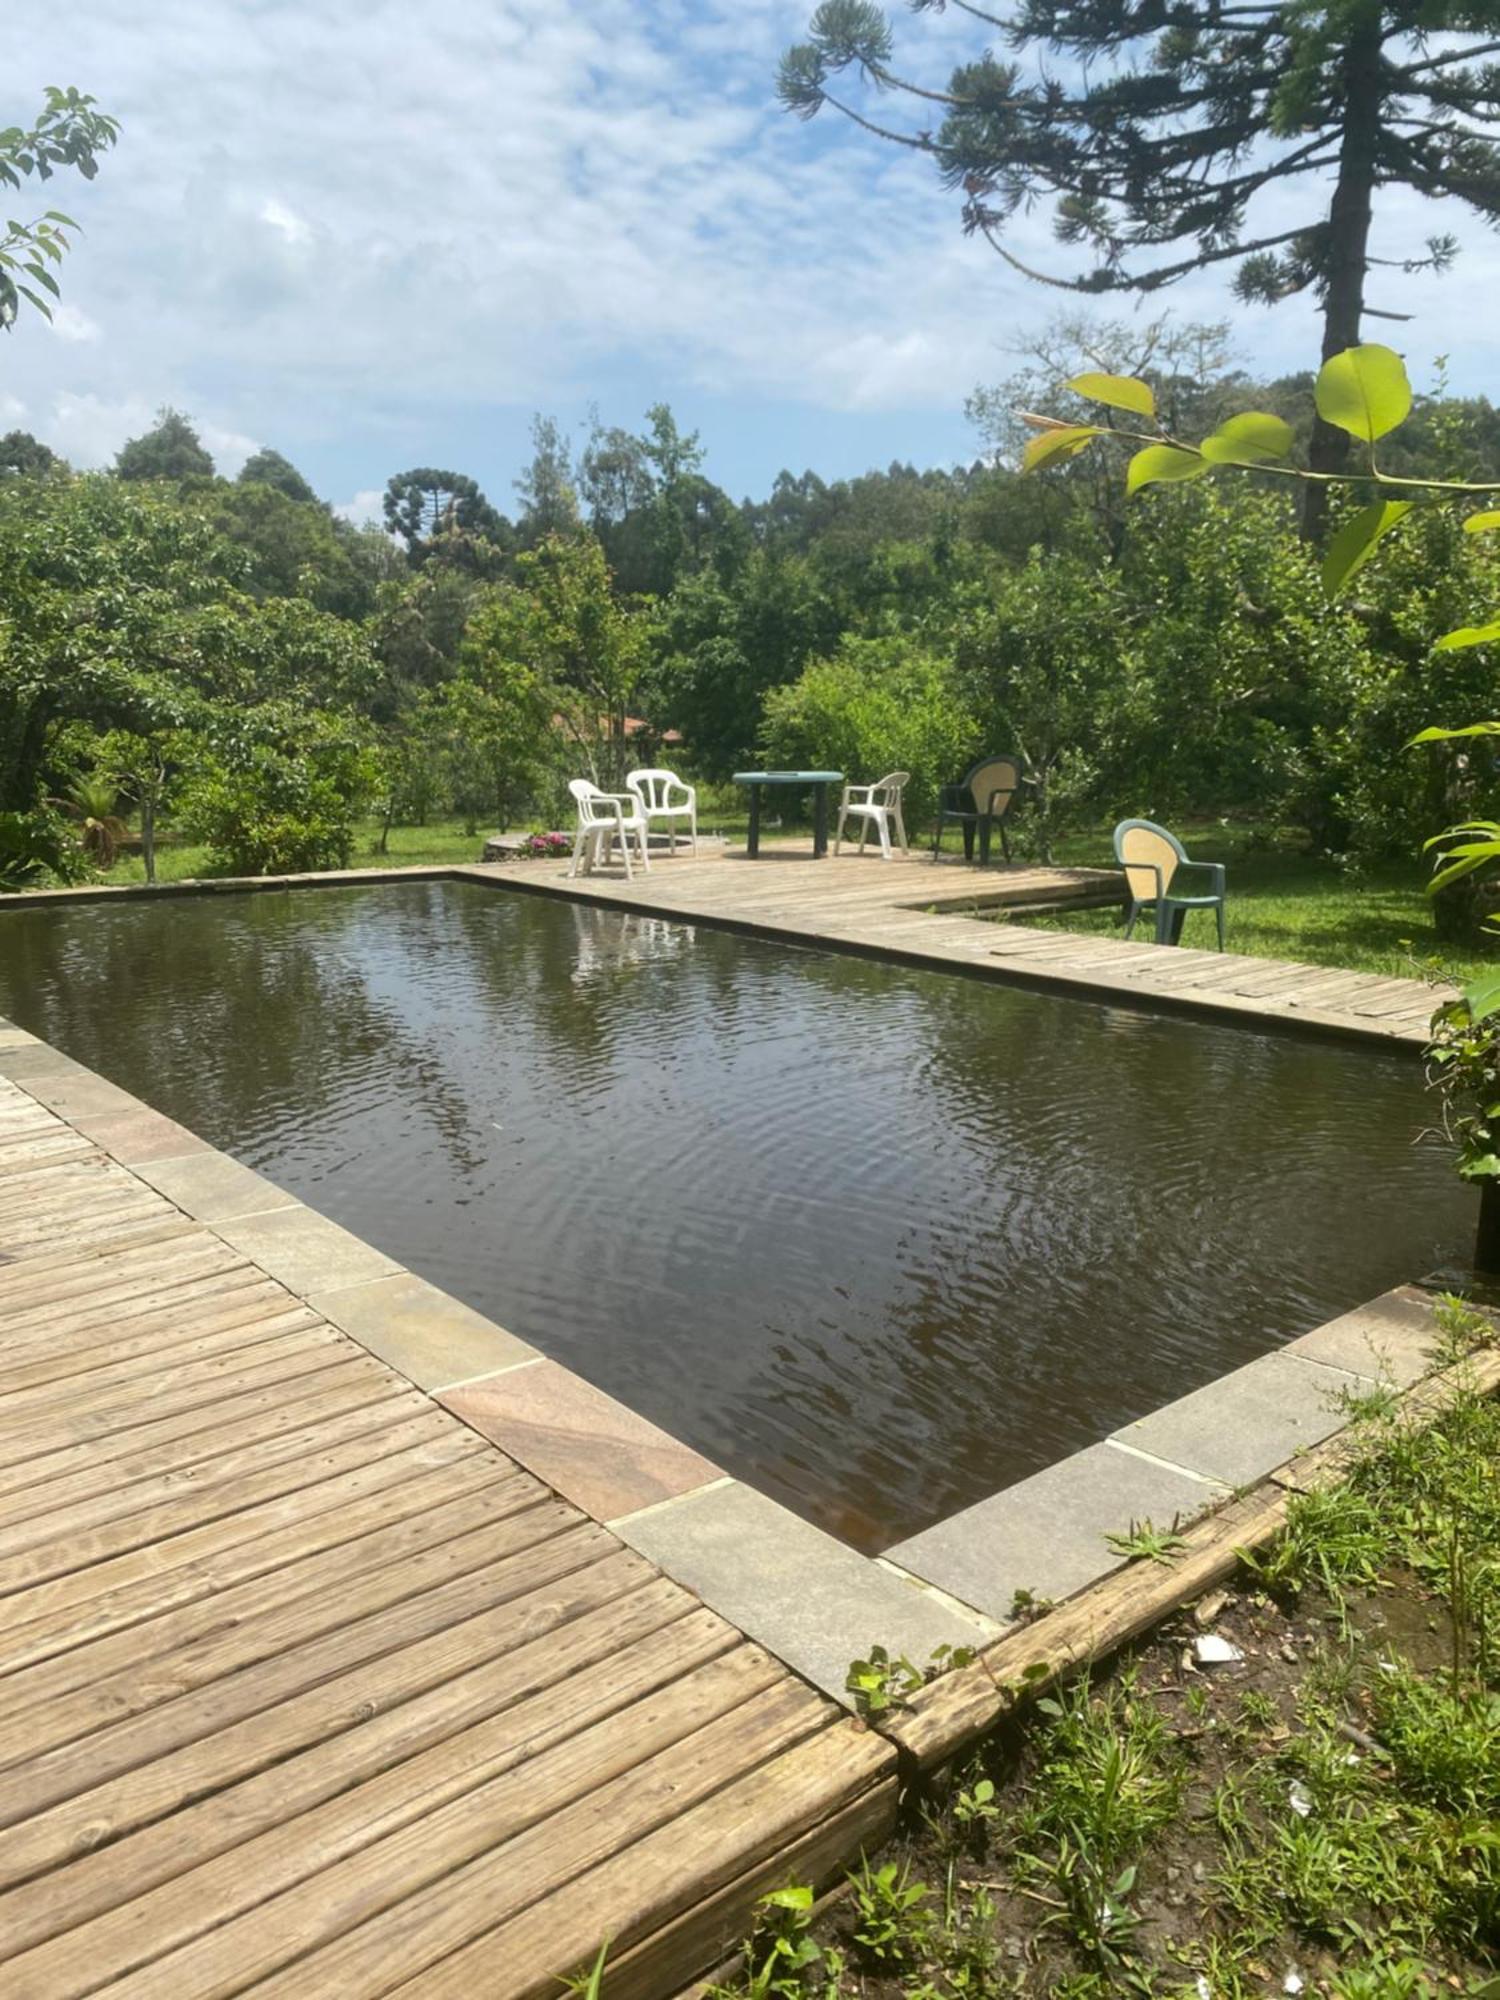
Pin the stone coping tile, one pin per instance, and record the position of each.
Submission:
(1046, 1535)
(134, 1137)
(432, 1338)
(304, 1250)
(12, 1038)
(1389, 1340)
(31, 1058)
(808, 1599)
(75, 1092)
(1243, 1425)
(591, 1449)
(210, 1186)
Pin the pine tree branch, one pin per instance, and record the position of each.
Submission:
(1448, 61)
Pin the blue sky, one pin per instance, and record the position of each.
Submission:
(376, 235)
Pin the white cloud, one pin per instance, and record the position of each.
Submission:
(364, 510)
(324, 212)
(69, 324)
(291, 226)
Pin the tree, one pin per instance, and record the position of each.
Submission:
(70, 131)
(298, 548)
(562, 621)
(1170, 122)
(26, 457)
(268, 468)
(426, 506)
(546, 489)
(171, 449)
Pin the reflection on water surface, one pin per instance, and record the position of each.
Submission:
(879, 1241)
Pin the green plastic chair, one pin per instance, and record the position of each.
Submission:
(979, 802)
(1158, 872)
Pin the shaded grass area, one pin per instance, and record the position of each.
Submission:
(1287, 903)
(1317, 1813)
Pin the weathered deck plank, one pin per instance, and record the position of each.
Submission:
(308, 1685)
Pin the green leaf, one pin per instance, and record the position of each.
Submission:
(1053, 446)
(1482, 996)
(1163, 461)
(1435, 735)
(1254, 438)
(1354, 544)
(1120, 392)
(1364, 391)
(1481, 524)
(1468, 635)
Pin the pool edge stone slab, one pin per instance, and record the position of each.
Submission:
(430, 1336)
(304, 1250)
(1046, 1535)
(597, 1452)
(813, 1602)
(1239, 1427)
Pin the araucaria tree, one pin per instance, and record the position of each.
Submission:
(1174, 138)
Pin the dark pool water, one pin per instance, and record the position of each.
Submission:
(879, 1241)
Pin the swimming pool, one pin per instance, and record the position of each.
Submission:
(877, 1240)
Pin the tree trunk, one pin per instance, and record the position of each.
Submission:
(1487, 1236)
(1348, 243)
(148, 832)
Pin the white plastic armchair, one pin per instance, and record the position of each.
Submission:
(876, 807)
(604, 818)
(663, 795)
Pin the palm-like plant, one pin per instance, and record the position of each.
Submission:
(91, 803)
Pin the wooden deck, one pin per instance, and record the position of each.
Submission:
(309, 1689)
(922, 910)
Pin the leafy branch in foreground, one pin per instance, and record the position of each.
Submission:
(1364, 392)
(69, 132)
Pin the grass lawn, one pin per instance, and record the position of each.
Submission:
(1285, 903)
(1311, 1807)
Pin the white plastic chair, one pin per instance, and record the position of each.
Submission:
(663, 795)
(603, 818)
(877, 806)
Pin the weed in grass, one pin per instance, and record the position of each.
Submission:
(894, 1922)
(1027, 1605)
(885, 1681)
(881, 1683)
(1145, 1543)
(1258, 1712)
(975, 1809)
(589, 1984)
(1111, 1777)
(1444, 1746)
(1333, 1537)
(783, 1960)
(1461, 1329)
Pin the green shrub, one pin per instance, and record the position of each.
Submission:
(877, 705)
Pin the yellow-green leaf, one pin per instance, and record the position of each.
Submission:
(1163, 461)
(1481, 524)
(1468, 635)
(1364, 391)
(1354, 544)
(1120, 392)
(1255, 438)
(1436, 735)
(1051, 447)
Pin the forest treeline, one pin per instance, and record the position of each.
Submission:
(233, 659)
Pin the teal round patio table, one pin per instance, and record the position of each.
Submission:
(819, 780)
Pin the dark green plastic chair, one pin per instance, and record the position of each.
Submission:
(979, 802)
(1158, 873)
